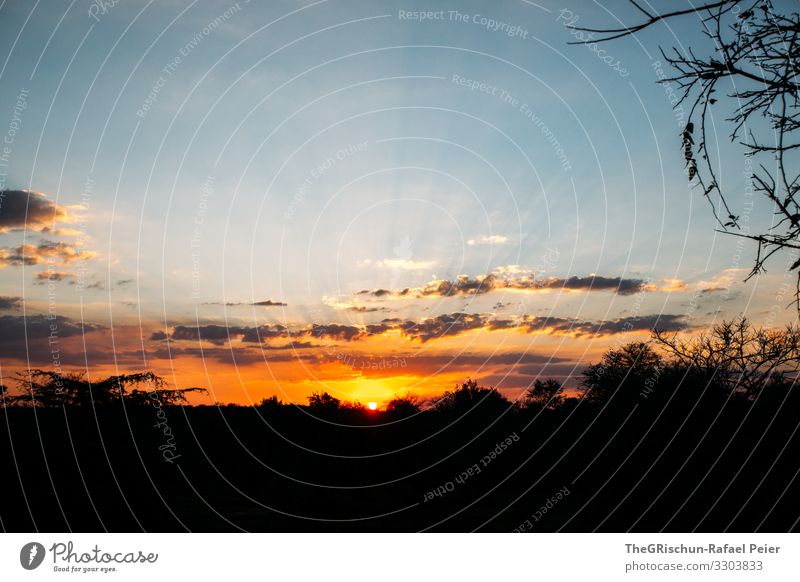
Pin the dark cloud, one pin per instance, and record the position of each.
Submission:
(220, 334)
(597, 283)
(43, 277)
(335, 331)
(265, 303)
(20, 327)
(294, 345)
(233, 356)
(442, 326)
(560, 326)
(24, 209)
(383, 326)
(216, 334)
(10, 303)
(664, 321)
(365, 309)
(464, 285)
(530, 324)
(39, 339)
(267, 332)
(426, 329)
(376, 292)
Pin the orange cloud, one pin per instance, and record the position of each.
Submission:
(57, 253)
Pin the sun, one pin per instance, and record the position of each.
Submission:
(372, 405)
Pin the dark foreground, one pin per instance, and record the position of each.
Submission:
(673, 461)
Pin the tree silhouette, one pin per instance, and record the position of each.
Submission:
(323, 401)
(468, 396)
(42, 388)
(404, 405)
(543, 394)
(755, 59)
(623, 373)
(736, 356)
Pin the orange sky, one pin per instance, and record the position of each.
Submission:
(375, 368)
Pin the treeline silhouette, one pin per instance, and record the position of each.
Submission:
(679, 433)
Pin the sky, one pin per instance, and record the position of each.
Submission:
(359, 198)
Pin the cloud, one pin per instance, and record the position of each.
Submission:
(425, 329)
(265, 303)
(442, 326)
(382, 292)
(365, 309)
(43, 339)
(494, 239)
(58, 253)
(597, 283)
(669, 285)
(663, 321)
(520, 280)
(235, 354)
(16, 328)
(267, 332)
(220, 334)
(335, 331)
(575, 327)
(722, 281)
(238, 356)
(226, 356)
(10, 303)
(45, 276)
(459, 323)
(215, 334)
(463, 285)
(20, 209)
